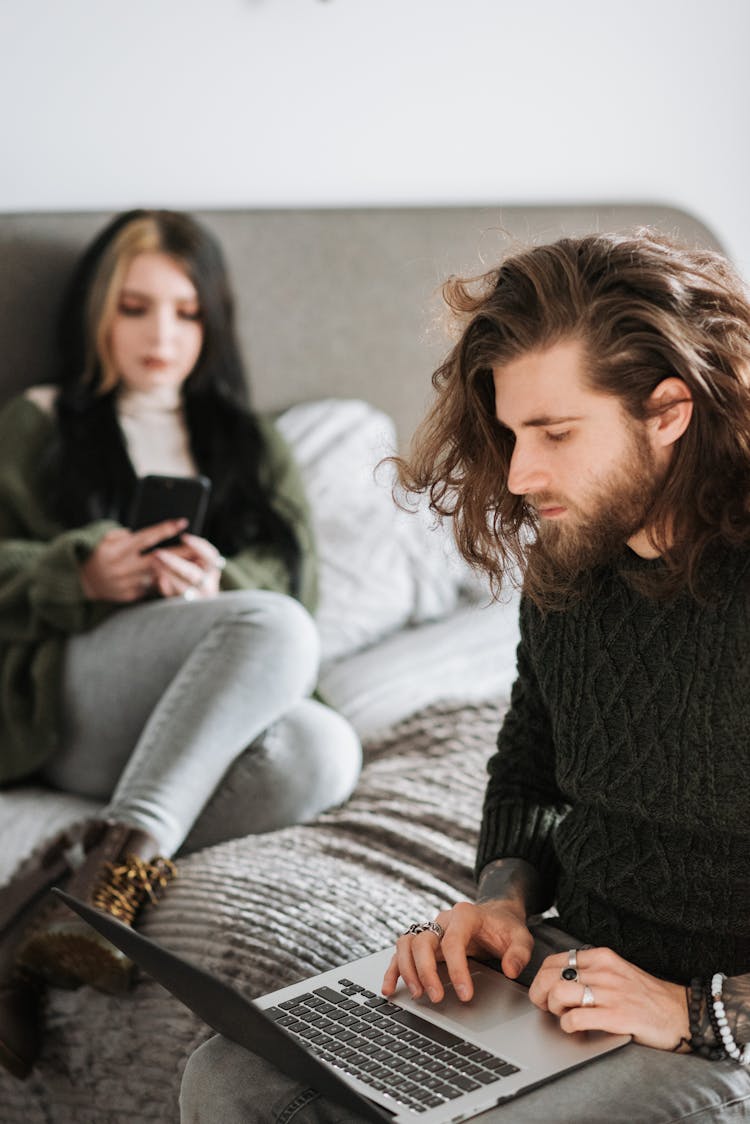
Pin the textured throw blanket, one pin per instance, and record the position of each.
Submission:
(266, 910)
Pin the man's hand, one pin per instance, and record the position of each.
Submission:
(490, 928)
(627, 1000)
(117, 569)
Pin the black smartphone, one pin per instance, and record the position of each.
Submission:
(170, 497)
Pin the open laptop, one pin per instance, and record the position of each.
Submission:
(401, 1060)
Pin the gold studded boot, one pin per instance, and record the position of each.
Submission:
(121, 871)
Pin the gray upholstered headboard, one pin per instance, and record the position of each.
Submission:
(330, 302)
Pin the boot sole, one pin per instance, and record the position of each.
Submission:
(66, 958)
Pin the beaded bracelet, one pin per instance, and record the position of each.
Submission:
(720, 1024)
(713, 1017)
(698, 1043)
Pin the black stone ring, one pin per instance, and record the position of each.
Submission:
(571, 971)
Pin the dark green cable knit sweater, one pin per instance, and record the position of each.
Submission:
(41, 599)
(623, 769)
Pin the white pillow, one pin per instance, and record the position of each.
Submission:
(380, 567)
(365, 581)
(441, 576)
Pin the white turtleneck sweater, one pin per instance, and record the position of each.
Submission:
(155, 431)
(153, 423)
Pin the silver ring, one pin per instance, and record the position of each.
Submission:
(587, 999)
(220, 562)
(189, 594)
(570, 972)
(425, 927)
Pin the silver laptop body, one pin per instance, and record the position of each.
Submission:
(402, 1060)
(500, 1021)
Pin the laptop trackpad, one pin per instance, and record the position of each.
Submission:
(496, 1000)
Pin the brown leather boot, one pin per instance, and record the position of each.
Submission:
(121, 871)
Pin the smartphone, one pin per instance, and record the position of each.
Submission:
(170, 497)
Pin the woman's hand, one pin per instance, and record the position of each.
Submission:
(191, 569)
(117, 569)
(627, 1000)
(490, 928)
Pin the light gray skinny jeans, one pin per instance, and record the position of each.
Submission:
(633, 1085)
(188, 715)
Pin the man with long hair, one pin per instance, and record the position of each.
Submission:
(590, 439)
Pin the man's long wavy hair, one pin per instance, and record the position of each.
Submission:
(644, 309)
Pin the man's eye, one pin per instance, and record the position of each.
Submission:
(558, 436)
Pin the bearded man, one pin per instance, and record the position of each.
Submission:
(591, 433)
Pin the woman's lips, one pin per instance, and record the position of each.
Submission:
(154, 363)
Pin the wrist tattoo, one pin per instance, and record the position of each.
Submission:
(511, 878)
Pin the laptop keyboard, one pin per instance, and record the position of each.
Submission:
(418, 1064)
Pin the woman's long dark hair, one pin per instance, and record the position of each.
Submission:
(92, 475)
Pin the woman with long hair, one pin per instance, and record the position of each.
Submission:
(169, 682)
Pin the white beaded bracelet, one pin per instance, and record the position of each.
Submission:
(738, 1053)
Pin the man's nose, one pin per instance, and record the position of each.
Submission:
(527, 473)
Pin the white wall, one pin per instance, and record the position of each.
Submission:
(110, 103)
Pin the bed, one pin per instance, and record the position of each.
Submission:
(339, 319)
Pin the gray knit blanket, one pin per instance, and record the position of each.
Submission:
(266, 910)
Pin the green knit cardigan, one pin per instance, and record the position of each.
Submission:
(41, 600)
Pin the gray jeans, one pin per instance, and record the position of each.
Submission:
(193, 715)
(634, 1085)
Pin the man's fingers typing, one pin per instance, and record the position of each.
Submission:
(391, 977)
(425, 949)
(518, 952)
(406, 965)
(467, 929)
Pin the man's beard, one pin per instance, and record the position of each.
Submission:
(560, 561)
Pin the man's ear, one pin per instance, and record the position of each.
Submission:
(671, 407)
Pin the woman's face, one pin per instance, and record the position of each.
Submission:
(156, 333)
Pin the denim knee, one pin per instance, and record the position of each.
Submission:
(283, 626)
(222, 1081)
(327, 752)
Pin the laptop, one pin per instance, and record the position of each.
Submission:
(399, 1060)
